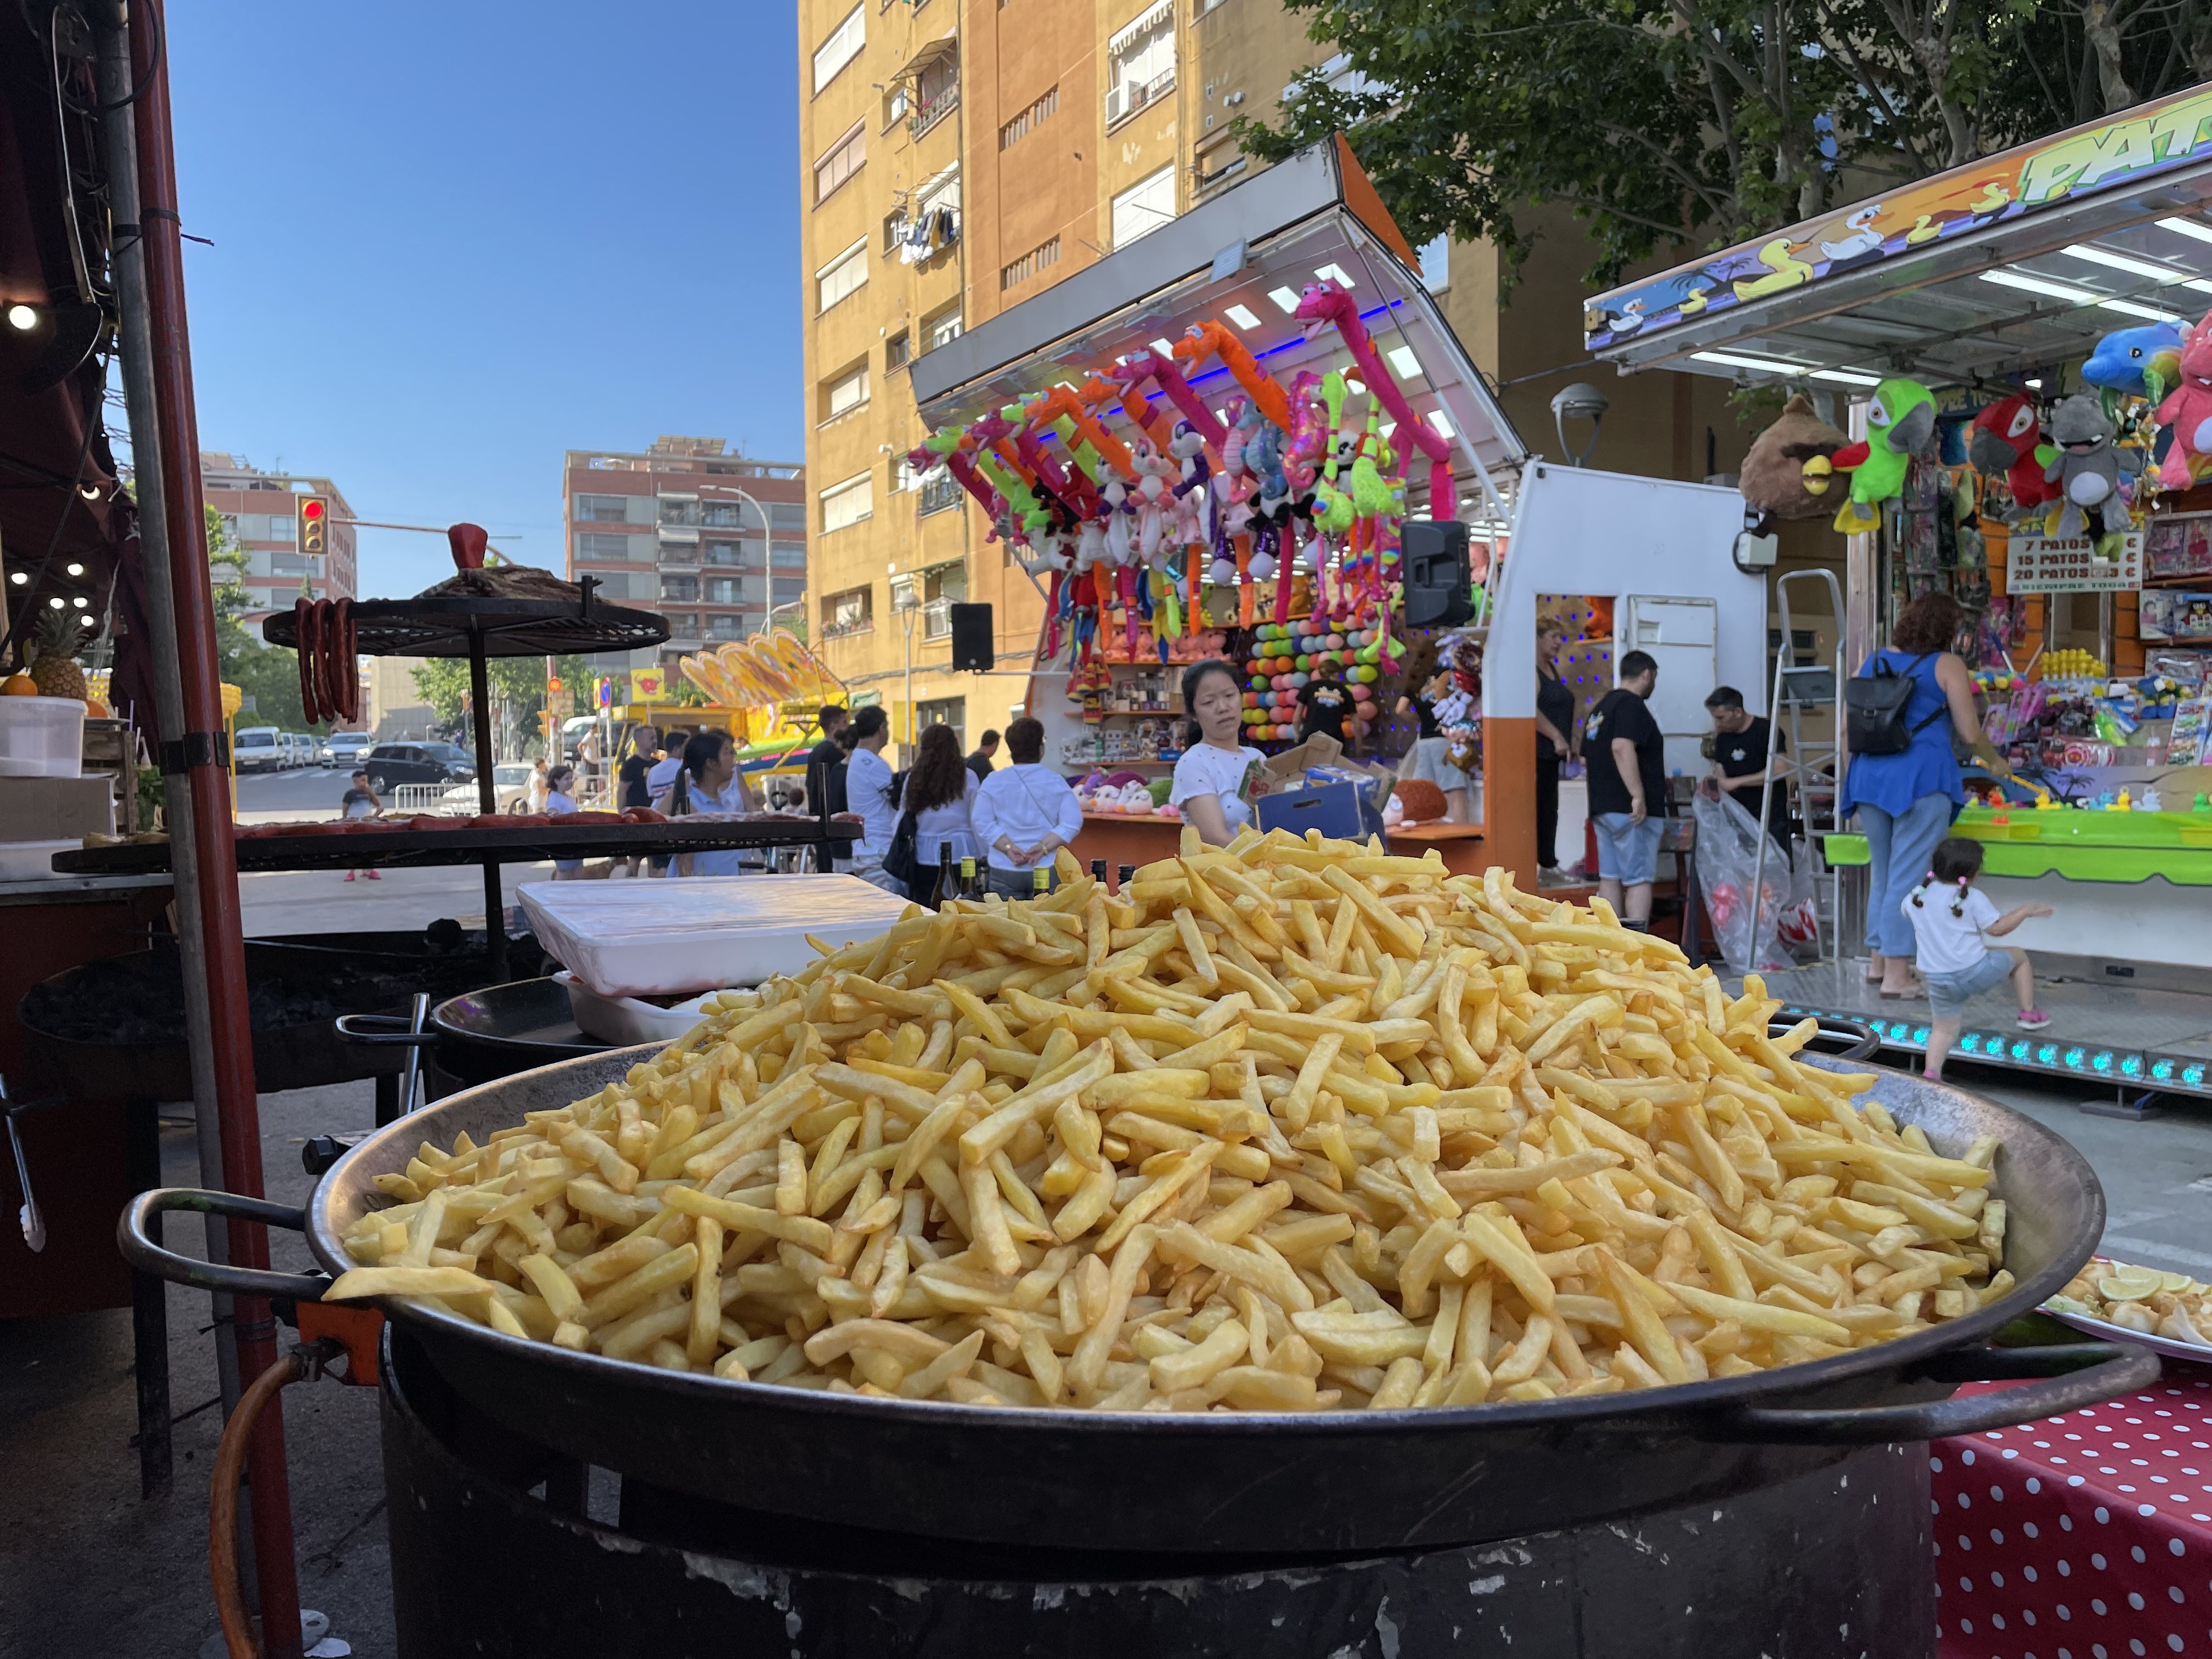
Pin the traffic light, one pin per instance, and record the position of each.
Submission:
(545, 725)
(313, 514)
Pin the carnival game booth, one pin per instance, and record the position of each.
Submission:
(1239, 437)
(2016, 350)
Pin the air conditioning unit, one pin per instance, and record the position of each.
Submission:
(1119, 101)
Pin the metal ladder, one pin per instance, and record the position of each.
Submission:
(1793, 689)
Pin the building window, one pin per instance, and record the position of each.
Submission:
(896, 351)
(850, 612)
(1436, 264)
(847, 503)
(895, 105)
(843, 395)
(841, 275)
(943, 711)
(939, 490)
(786, 515)
(721, 553)
(787, 590)
(942, 329)
(728, 627)
(789, 555)
(843, 46)
(1140, 64)
(726, 590)
(1034, 116)
(602, 509)
(592, 546)
(841, 161)
(1144, 207)
(728, 515)
(681, 624)
(679, 509)
(903, 475)
(679, 587)
(1040, 258)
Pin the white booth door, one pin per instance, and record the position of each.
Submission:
(1681, 636)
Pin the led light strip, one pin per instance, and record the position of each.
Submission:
(2176, 1073)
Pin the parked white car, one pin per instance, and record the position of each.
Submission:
(260, 749)
(344, 749)
(510, 783)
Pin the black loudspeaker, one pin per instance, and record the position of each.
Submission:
(1439, 579)
(974, 650)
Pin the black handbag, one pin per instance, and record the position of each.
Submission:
(1875, 709)
(902, 863)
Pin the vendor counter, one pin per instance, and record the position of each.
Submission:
(2126, 886)
(1120, 838)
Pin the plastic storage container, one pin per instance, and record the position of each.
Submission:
(42, 737)
(675, 937)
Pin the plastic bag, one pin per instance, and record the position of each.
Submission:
(1727, 850)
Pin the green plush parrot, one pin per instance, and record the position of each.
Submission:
(1900, 424)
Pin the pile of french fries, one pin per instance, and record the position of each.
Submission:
(1290, 1126)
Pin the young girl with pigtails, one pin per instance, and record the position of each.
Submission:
(1953, 921)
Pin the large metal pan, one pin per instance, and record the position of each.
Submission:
(1255, 1485)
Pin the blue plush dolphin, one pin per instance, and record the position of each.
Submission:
(2140, 362)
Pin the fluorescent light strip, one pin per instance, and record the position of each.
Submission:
(1166, 349)
(1732, 360)
(1442, 422)
(1241, 316)
(2130, 308)
(1403, 359)
(2187, 228)
(2080, 296)
(1285, 298)
(2096, 256)
(1335, 274)
(1845, 377)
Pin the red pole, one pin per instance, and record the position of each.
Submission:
(200, 755)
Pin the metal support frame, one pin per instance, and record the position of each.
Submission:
(1792, 770)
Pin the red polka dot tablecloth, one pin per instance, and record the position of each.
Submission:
(2083, 1536)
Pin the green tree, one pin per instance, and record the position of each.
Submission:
(1666, 123)
(516, 683)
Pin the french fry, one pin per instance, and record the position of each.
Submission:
(1279, 1109)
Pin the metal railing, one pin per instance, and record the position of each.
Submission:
(422, 798)
(931, 109)
(937, 492)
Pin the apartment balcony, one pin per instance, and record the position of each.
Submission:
(1127, 98)
(930, 108)
(937, 492)
(846, 630)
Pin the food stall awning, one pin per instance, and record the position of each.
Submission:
(2011, 265)
(1243, 258)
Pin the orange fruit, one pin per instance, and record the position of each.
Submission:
(96, 710)
(19, 685)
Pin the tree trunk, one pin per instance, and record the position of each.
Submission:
(2103, 36)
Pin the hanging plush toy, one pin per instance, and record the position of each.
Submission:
(2007, 442)
(1900, 424)
(2141, 362)
(1774, 481)
(2086, 468)
(2188, 411)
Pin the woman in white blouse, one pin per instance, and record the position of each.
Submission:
(1217, 779)
(939, 792)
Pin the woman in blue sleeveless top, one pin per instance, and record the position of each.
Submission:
(1905, 801)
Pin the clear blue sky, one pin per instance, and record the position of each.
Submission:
(451, 241)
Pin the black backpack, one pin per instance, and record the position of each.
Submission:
(1874, 705)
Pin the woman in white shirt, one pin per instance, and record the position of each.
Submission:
(1217, 779)
(868, 792)
(1024, 813)
(559, 783)
(939, 792)
(710, 782)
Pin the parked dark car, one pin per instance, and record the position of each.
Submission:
(389, 764)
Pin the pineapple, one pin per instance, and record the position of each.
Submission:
(53, 646)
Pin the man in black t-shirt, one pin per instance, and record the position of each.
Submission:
(1323, 703)
(1628, 762)
(644, 750)
(825, 763)
(1740, 755)
(985, 759)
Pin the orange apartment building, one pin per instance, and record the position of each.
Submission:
(960, 157)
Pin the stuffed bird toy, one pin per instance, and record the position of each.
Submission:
(1900, 424)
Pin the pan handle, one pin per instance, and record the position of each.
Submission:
(385, 1029)
(1863, 1040)
(2077, 1374)
(134, 1236)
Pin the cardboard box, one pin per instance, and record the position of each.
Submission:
(56, 809)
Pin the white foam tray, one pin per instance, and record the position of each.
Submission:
(624, 1021)
(684, 934)
(33, 861)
